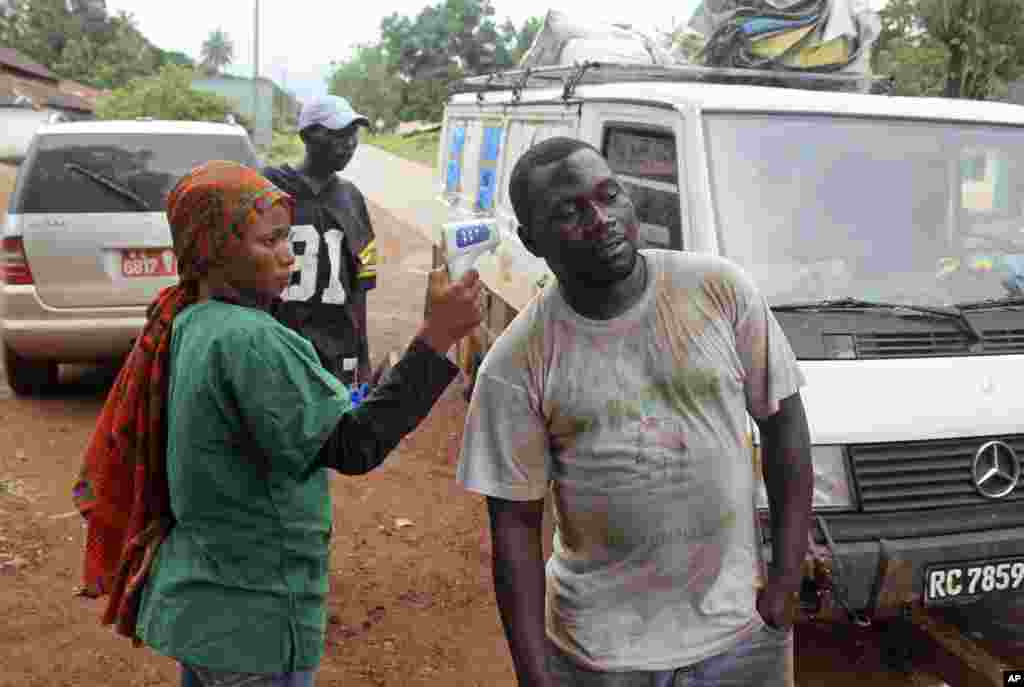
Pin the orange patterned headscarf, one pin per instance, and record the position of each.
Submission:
(122, 489)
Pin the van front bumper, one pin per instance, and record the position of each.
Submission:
(878, 564)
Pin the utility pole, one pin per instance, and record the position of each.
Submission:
(256, 64)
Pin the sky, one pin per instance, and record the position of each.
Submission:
(300, 38)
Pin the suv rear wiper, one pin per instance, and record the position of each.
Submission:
(992, 303)
(110, 184)
(853, 303)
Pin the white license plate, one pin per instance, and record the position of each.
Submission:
(948, 583)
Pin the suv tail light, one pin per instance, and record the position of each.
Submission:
(15, 264)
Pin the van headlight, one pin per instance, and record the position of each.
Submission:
(833, 488)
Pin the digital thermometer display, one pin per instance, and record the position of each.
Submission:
(472, 235)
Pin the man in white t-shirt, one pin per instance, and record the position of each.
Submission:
(623, 392)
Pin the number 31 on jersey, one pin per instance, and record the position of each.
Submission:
(308, 259)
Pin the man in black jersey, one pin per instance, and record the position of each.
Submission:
(333, 241)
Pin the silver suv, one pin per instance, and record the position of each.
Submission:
(86, 244)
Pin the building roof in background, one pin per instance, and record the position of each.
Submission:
(14, 60)
(87, 93)
(17, 90)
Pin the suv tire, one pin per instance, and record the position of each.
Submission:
(29, 377)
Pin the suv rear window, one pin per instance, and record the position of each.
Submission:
(107, 173)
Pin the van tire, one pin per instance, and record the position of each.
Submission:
(29, 377)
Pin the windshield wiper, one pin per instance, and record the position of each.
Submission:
(1010, 301)
(854, 303)
(110, 184)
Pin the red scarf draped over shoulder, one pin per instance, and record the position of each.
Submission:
(122, 490)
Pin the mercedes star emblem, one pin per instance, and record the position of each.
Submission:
(995, 470)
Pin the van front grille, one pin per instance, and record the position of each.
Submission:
(916, 475)
(936, 344)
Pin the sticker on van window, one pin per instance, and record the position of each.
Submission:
(492, 143)
(488, 180)
(458, 140)
(485, 194)
(454, 176)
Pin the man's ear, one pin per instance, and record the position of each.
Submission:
(526, 236)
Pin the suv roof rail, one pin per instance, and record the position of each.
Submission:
(568, 77)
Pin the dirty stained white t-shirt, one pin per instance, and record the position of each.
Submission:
(638, 427)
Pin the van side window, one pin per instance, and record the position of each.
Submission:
(645, 162)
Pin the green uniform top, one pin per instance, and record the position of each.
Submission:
(241, 581)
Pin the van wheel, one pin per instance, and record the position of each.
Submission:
(29, 377)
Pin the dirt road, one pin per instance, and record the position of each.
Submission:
(411, 604)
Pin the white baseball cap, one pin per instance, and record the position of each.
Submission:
(331, 112)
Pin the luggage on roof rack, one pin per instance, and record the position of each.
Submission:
(568, 77)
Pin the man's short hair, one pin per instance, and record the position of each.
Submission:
(546, 152)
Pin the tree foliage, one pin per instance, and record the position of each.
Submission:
(109, 57)
(167, 95)
(369, 85)
(953, 48)
(79, 41)
(985, 41)
(406, 74)
(217, 52)
(176, 57)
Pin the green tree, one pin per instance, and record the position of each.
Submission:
(38, 29)
(167, 95)
(985, 40)
(906, 52)
(450, 33)
(165, 57)
(217, 52)
(444, 42)
(108, 58)
(953, 48)
(369, 85)
(84, 44)
(525, 37)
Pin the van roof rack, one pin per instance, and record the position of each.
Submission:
(568, 77)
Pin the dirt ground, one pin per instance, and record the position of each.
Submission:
(411, 604)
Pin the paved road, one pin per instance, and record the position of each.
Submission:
(407, 189)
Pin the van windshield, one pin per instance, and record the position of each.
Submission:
(884, 210)
(105, 173)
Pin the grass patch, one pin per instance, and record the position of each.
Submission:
(284, 148)
(420, 148)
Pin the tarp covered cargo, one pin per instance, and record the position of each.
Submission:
(562, 41)
(797, 35)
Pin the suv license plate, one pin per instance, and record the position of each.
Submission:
(950, 583)
(149, 262)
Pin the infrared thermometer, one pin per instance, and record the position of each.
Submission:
(465, 241)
